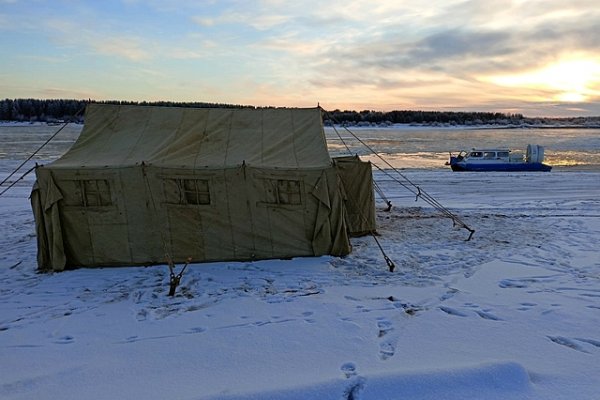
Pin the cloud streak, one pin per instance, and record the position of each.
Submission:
(382, 55)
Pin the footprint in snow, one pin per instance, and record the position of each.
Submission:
(563, 341)
(355, 386)
(387, 350)
(307, 316)
(452, 311)
(142, 315)
(65, 340)
(517, 283)
(449, 294)
(526, 306)
(385, 327)
(595, 343)
(349, 369)
(487, 315)
(196, 329)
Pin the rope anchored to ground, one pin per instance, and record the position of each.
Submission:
(175, 279)
(412, 187)
(406, 183)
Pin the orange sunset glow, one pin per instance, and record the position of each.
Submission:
(538, 58)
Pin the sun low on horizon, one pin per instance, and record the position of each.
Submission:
(535, 57)
(569, 79)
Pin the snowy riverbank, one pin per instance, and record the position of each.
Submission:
(512, 314)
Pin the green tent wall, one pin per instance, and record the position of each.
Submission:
(143, 184)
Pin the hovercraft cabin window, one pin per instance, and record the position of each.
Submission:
(189, 191)
(283, 192)
(90, 193)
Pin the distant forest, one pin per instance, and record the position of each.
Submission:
(68, 110)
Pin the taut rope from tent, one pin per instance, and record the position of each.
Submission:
(175, 279)
(382, 195)
(388, 261)
(342, 140)
(415, 189)
(17, 180)
(412, 187)
(33, 155)
(375, 185)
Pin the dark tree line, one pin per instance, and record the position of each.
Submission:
(55, 110)
(41, 110)
(60, 110)
(420, 117)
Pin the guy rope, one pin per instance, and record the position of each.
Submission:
(5, 180)
(388, 261)
(401, 179)
(174, 279)
(412, 187)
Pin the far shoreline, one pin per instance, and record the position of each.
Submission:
(459, 126)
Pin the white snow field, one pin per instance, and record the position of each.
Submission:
(512, 314)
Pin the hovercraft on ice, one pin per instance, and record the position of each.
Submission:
(499, 159)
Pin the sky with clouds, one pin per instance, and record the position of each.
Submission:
(535, 57)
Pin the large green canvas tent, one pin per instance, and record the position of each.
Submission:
(145, 183)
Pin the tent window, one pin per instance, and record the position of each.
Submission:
(91, 193)
(192, 191)
(283, 191)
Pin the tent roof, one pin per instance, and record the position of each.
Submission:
(123, 135)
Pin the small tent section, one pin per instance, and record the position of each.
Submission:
(357, 180)
(145, 183)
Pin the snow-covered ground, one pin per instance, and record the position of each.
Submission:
(512, 314)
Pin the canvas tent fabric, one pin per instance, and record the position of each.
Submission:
(357, 180)
(145, 184)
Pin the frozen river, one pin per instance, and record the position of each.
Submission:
(423, 147)
(405, 147)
